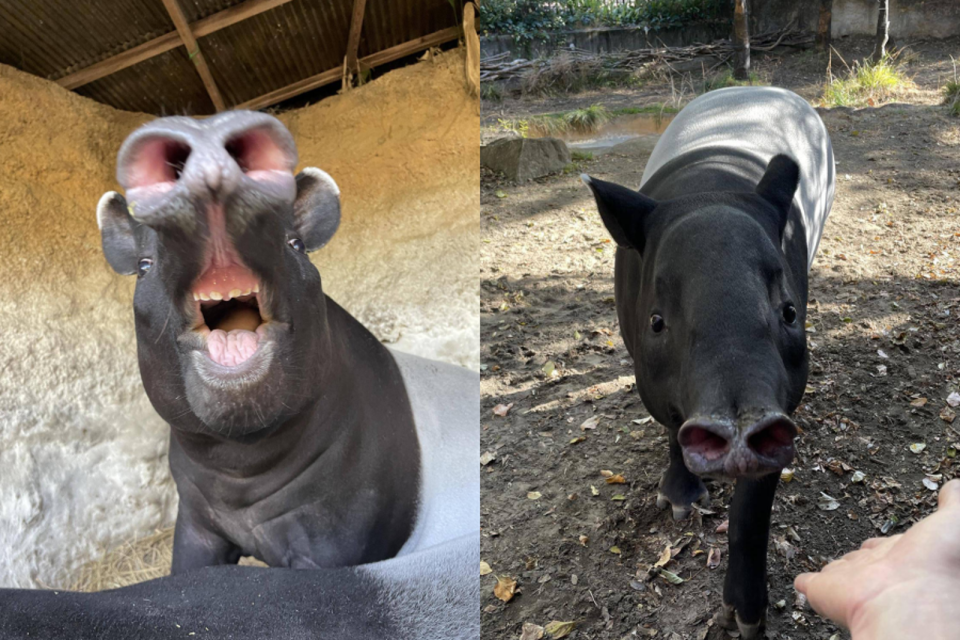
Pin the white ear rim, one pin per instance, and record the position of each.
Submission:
(105, 200)
(324, 177)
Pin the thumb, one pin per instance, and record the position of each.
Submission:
(950, 495)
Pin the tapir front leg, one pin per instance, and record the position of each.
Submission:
(679, 488)
(745, 589)
(195, 547)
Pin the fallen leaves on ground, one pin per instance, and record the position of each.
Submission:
(485, 568)
(557, 629)
(502, 409)
(505, 588)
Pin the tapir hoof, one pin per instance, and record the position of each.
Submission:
(729, 619)
(682, 511)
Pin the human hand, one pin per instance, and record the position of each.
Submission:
(904, 586)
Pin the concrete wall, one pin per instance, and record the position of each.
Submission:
(83, 456)
(908, 18)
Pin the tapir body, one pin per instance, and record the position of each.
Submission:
(711, 292)
(296, 436)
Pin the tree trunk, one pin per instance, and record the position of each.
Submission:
(883, 31)
(823, 28)
(741, 40)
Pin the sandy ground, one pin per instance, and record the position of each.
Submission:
(885, 355)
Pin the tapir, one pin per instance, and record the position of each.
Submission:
(296, 436)
(710, 283)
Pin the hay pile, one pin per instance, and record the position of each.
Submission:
(83, 456)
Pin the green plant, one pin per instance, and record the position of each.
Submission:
(491, 91)
(951, 93)
(867, 84)
(581, 120)
(725, 79)
(520, 127)
(581, 156)
(528, 20)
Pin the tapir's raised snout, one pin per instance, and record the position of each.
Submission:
(719, 447)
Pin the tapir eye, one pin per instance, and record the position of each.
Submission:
(789, 313)
(297, 244)
(656, 323)
(143, 266)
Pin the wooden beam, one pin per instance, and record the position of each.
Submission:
(166, 42)
(332, 75)
(183, 28)
(350, 67)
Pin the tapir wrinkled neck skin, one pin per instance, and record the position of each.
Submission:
(716, 270)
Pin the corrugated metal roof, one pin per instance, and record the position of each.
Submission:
(263, 53)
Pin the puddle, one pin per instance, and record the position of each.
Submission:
(612, 133)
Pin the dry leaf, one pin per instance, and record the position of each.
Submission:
(485, 568)
(505, 588)
(615, 550)
(722, 527)
(502, 409)
(486, 458)
(917, 447)
(948, 415)
(671, 577)
(713, 558)
(919, 402)
(584, 540)
(558, 629)
(617, 479)
(953, 399)
(665, 557)
(594, 490)
(550, 369)
(786, 475)
(534, 495)
(531, 631)
(577, 440)
(827, 503)
(606, 473)
(930, 484)
(590, 423)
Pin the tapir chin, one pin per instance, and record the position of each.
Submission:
(296, 436)
(711, 294)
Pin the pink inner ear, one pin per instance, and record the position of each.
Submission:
(157, 161)
(256, 150)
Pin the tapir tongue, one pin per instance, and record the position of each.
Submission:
(230, 348)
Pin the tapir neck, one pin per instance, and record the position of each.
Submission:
(356, 436)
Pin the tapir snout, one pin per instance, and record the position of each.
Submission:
(720, 447)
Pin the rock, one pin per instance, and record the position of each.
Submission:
(522, 159)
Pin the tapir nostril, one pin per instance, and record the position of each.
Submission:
(703, 441)
(773, 439)
(258, 150)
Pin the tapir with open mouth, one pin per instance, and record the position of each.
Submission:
(296, 436)
(711, 294)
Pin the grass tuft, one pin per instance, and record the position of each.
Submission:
(951, 93)
(867, 84)
(580, 120)
(725, 79)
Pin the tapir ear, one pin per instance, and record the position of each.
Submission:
(317, 208)
(624, 211)
(116, 233)
(778, 185)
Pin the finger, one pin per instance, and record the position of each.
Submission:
(870, 543)
(827, 593)
(880, 546)
(949, 495)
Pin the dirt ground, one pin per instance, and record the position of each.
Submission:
(885, 356)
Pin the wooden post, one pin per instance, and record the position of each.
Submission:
(741, 40)
(193, 49)
(350, 66)
(883, 30)
(825, 25)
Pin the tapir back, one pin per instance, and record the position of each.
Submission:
(762, 122)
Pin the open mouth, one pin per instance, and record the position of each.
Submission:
(228, 301)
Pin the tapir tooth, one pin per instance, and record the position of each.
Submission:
(234, 293)
(196, 296)
(204, 296)
(216, 295)
(256, 288)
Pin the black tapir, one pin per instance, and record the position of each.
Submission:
(711, 294)
(296, 436)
